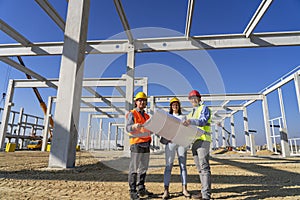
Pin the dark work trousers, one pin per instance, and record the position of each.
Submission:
(139, 163)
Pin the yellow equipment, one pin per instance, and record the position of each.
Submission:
(34, 144)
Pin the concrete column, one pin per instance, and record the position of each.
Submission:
(88, 133)
(65, 134)
(283, 132)
(297, 87)
(5, 115)
(100, 132)
(223, 135)
(109, 134)
(233, 138)
(252, 144)
(13, 116)
(284, 142)
(267, 123)
(216, 136)
(246, 129)
(46, 123)
(116, 136)
(129, 92)
(19, 124)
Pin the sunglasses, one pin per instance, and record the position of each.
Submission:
(140, 100)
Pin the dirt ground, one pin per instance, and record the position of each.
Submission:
(103, 175)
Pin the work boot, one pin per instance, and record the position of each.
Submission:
(143, 193)
(197, 196)
(166, 194)
(134, 196)
(185, 192)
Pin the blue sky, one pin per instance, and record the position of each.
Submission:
(242, 70)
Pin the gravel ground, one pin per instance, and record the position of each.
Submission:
(103, 175)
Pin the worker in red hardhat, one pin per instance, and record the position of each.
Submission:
(140, 140)
(200, 117)
(170, 150)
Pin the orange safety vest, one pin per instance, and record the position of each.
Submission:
(142, 134)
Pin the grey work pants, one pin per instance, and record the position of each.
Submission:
(200, 150)
(139, 163)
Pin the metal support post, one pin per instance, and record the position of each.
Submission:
(283, 132)
(18, 130)
(267, 123)
(65, 134)
(233, 139)
(284, 142)
(217, 136)
(297, 87)
(46, 123)
(109, 134)
(116, 136)
(223, 135)
(5, 116)
(129, 91)
(88, 133)
(252, 143)
(100, 132)
(246, 129)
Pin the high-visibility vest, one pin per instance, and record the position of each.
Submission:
(206, 128)
(140, 135)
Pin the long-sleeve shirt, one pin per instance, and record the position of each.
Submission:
(130, 120)
(204, 116)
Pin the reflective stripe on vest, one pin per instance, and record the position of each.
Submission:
(206, 128)
(142, 134)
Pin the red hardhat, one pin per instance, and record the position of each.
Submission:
(194, 93)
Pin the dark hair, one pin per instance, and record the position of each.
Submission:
(179, 108)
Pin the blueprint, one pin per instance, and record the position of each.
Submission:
(171, 128)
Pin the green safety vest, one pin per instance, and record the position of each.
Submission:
(206, 128)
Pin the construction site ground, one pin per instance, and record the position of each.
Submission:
(103, 175)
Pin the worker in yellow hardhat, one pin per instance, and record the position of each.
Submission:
(201, 118)
(140, 140)
(170, 151)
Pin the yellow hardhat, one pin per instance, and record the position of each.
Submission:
(174, 99)
(140, 95)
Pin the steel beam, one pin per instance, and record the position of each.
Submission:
(124, 20)
(189, 18)
(88, 82)
(109, 103)
(226, 41)
(297, 87)
(14, 34)
(281, 82)
(263, 7)
(27, 71)
(53, 14)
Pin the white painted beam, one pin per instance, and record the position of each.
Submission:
(274, 39)
(261, 10)
(53, 14)
(14, 34)
(189, 17)
(124, 20)
(27, 71)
